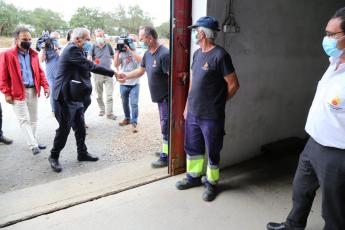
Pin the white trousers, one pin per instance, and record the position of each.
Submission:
(26, 112)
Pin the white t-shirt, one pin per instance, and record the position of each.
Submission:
(326, 119)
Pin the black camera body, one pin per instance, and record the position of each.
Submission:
(122, 41)
(45, 41)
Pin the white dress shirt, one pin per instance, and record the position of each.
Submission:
(326, 118)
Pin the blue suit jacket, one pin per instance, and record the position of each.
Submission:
(73, 65)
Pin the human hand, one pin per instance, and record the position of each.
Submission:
(121, 77)
(46, 93)
(9, 99)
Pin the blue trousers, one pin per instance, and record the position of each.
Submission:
(200, 135)
(163, 107)
(130, 95)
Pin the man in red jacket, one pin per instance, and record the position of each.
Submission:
(21, 78)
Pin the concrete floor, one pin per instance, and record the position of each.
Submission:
(251, 194)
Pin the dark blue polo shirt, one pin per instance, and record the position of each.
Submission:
(157, 69)
(208, 94)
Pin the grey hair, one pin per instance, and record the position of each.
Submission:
(54, 34)
(79, 33)
(209, 34)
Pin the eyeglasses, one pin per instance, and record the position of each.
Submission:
(332, 35)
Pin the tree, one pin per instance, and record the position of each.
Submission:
(43, 20)
(164, 30)
(88, 18)
(128, 23)
(8, 18)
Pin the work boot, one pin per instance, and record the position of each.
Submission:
(5, 140)
(124, 122)
(160, 163)
(276, 226)
(185, 183)
(209, 193)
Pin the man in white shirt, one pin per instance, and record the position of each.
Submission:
(322, 162)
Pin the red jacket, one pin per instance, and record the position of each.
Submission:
(11, 80)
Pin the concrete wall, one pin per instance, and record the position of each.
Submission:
(278, 59)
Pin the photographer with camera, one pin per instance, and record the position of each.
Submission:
(128, 60)
(49, 48)
(102, 54)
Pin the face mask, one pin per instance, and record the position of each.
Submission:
(143, 45)
(132, 46)
(195, 37)
(330, 46)
(99, 40)
(56, 43)
(87, 46)
(25, 45)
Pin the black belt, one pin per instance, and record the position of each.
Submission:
(29, 86)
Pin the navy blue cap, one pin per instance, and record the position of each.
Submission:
(207, 22)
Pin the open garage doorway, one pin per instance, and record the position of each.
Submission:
(29, 186)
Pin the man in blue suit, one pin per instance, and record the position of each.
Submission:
(72, 86)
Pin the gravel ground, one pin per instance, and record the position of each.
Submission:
(106, 139)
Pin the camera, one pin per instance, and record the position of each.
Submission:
(45, 42)
(122, 41)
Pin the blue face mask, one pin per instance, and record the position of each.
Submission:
(143, 45)
(56, 43)
(330, 46)
(87, 46)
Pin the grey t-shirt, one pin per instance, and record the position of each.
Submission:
(207, 96)
(128, 64)
(102, 56)
(157, 68)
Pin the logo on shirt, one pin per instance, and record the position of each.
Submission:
(336, 103)
(154, 65)
(205, 67)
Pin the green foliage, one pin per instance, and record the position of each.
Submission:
(89, 18)
(118, 22)
(44, 20)
(164, 30)
(8, 18)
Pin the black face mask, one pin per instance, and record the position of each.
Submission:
(25, 45)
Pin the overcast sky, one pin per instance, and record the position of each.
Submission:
(159, 10)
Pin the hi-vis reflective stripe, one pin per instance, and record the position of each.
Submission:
(165, 147)
(212, 174)
(194, 165)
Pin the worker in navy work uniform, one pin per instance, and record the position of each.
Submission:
(213, 82)
(156, 63)
(322, 162)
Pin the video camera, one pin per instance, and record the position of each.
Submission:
(45, 41)
(122, 41)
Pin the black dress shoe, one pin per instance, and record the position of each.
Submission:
(87, 157)
(41, 146)
(5, 140)
(276, 226)
(54, 163)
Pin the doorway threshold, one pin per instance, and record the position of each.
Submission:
(28, 203)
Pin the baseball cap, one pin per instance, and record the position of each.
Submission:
(207, 22)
